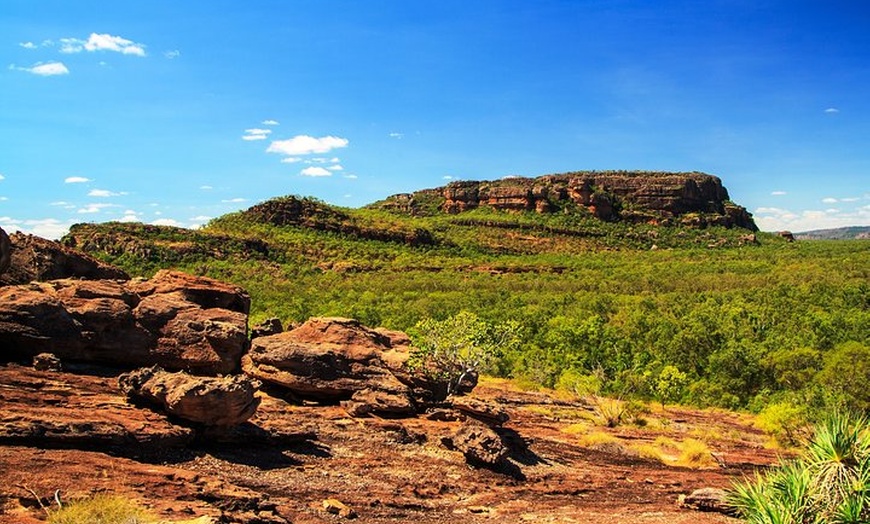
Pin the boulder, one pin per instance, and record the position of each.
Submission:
(205, 292)
(270, 326)
(707, 499)
(5, 251)
(479, 443)
(127, 323)
(36, 259)
(211, 401)
(47, 362)
(338, 359)
(490, 414)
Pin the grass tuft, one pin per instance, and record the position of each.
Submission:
(101, 509)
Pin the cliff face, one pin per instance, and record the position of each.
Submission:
(695, 199)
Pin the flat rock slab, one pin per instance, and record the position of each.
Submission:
(62, 410)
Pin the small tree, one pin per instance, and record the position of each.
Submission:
(460, 346)
(670, 384)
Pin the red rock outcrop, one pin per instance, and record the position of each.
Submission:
(56, 409)
(479, 443)
(338, 359)
(174, 320)
(33, 258)
(212, 401)
(608, 195)
(5, 251)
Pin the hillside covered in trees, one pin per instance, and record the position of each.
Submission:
(726, 316)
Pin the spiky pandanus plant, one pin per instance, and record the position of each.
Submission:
(828, 484)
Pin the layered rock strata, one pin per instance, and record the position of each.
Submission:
(699, 198)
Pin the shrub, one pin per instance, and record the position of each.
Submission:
(460, 346)
(829, 483)
(784, 421)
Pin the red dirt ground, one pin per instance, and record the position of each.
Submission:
(385, 470)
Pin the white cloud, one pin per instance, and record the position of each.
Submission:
(175, 53)
(71, 45)
(50, 228)
(829, 200)
(778, 193)
(306, 145)
(447, 177)
(850, 199)
(104, 193)
(234, 200)
(75, 180)
(832, 110)
(107, 42)
(3, 198)
(256, 134)
(335, 167)
(290, 160)
(198, 221)
(44, 69)
(2, 177)
(102, 42)
(397, 135)
(166, 222)
(95, 208)
(130, 216)
(315, 171)
(206, 188)
(351, 177)
(777, 219)
(271, 122)
(28, 45)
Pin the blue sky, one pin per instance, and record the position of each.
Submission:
(177, 112)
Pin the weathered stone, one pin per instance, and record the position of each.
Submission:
(337, 507)
(485, 412)
(109, 322)
(37, 259)
(367, 401)
(270, 326)
(46, 362)
(338, 359)
(5, 251)
(59, 409)
(707, 499)
(212, 401)
(203, 291)
(479, 443)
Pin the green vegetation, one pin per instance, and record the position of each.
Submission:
(460, 346)
(700, 316)
(829, 483)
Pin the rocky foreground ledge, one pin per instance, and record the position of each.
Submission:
(153, 389)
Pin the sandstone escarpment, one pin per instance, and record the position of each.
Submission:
(693, 199)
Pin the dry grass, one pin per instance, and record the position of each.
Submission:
(101, 509)
(690, 453)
